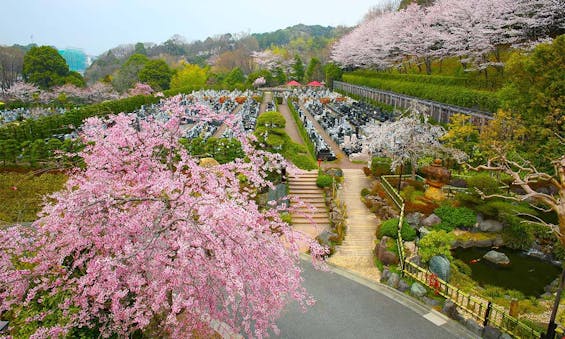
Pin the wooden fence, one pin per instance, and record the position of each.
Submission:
(485, 312)
(439, 111)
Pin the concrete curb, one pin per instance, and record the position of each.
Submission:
(415, 305)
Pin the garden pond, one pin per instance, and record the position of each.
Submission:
(525, 273)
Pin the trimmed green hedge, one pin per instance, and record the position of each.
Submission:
(453, 95)
(390, 229)
(302, 130)
(443, 80)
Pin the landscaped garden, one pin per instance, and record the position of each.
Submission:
(149, 195)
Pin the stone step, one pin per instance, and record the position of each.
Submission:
(312, 199)
(304, 221)
(314, 217)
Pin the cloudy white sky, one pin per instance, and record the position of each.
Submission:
(97, 25)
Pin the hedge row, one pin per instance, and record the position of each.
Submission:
(443, 80)
(45, 127)
(302, 130)
(453, 95)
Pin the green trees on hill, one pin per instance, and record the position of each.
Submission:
(157, 74)
(45, 67)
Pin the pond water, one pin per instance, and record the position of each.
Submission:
(526, 274)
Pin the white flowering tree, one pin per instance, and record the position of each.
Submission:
(407, 139)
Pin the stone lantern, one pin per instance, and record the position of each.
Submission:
(436, 177)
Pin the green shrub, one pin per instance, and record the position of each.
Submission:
(436, 243)
(380, 166)
(390, 229)
(286, 217)
(454, 95)
(455, 217)
(324, 180)
(302, 161)
(365, 192)
(462, 266)
(517, 234)
(428, 79)
(484, 182)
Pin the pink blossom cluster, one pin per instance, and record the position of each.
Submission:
(26, 92)
(473, 30)
(144, 238)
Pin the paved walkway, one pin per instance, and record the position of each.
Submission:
(356, 251)
(290, 128)
(267, 97)
(348, 306)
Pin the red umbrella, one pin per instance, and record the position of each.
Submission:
(315, 84)
(293, 83)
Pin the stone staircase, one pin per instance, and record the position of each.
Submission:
(355, 252)
(303, 185)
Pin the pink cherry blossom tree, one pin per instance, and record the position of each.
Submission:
(143, 238)
(21, 91)
(140, 89)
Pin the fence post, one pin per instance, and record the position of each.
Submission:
(487, 314)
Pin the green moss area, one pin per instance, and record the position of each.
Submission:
(22, 194)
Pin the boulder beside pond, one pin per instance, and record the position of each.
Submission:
(490, 225)
(439, 265)
(498, 258)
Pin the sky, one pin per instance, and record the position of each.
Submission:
(98, 25)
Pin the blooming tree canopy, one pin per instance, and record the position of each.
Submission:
(143, 238)
(141, 89)
(406, 139)
(471, 29)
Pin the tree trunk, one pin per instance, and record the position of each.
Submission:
(428, 62)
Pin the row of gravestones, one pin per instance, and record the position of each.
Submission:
(361, 113)
(21, 113)
(247, 118)
(338, 128)
(323, 150)
(343, 121)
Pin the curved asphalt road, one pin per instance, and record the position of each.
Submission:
(348, 306)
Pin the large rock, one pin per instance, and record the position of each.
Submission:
(417, 290)
(414, 219)
(473, 326)
(430, 301)
(384, 255)
(403, 285)
(498, 258)
(393, 280)
(423, 231)
(385, 274)
(450, 309)
(439, 265)
(325, 237)
(490, 225)
(431, 220)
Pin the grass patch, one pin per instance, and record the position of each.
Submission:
(22, 194)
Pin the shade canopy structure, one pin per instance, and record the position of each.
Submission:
(293, 83)
(315, 84)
